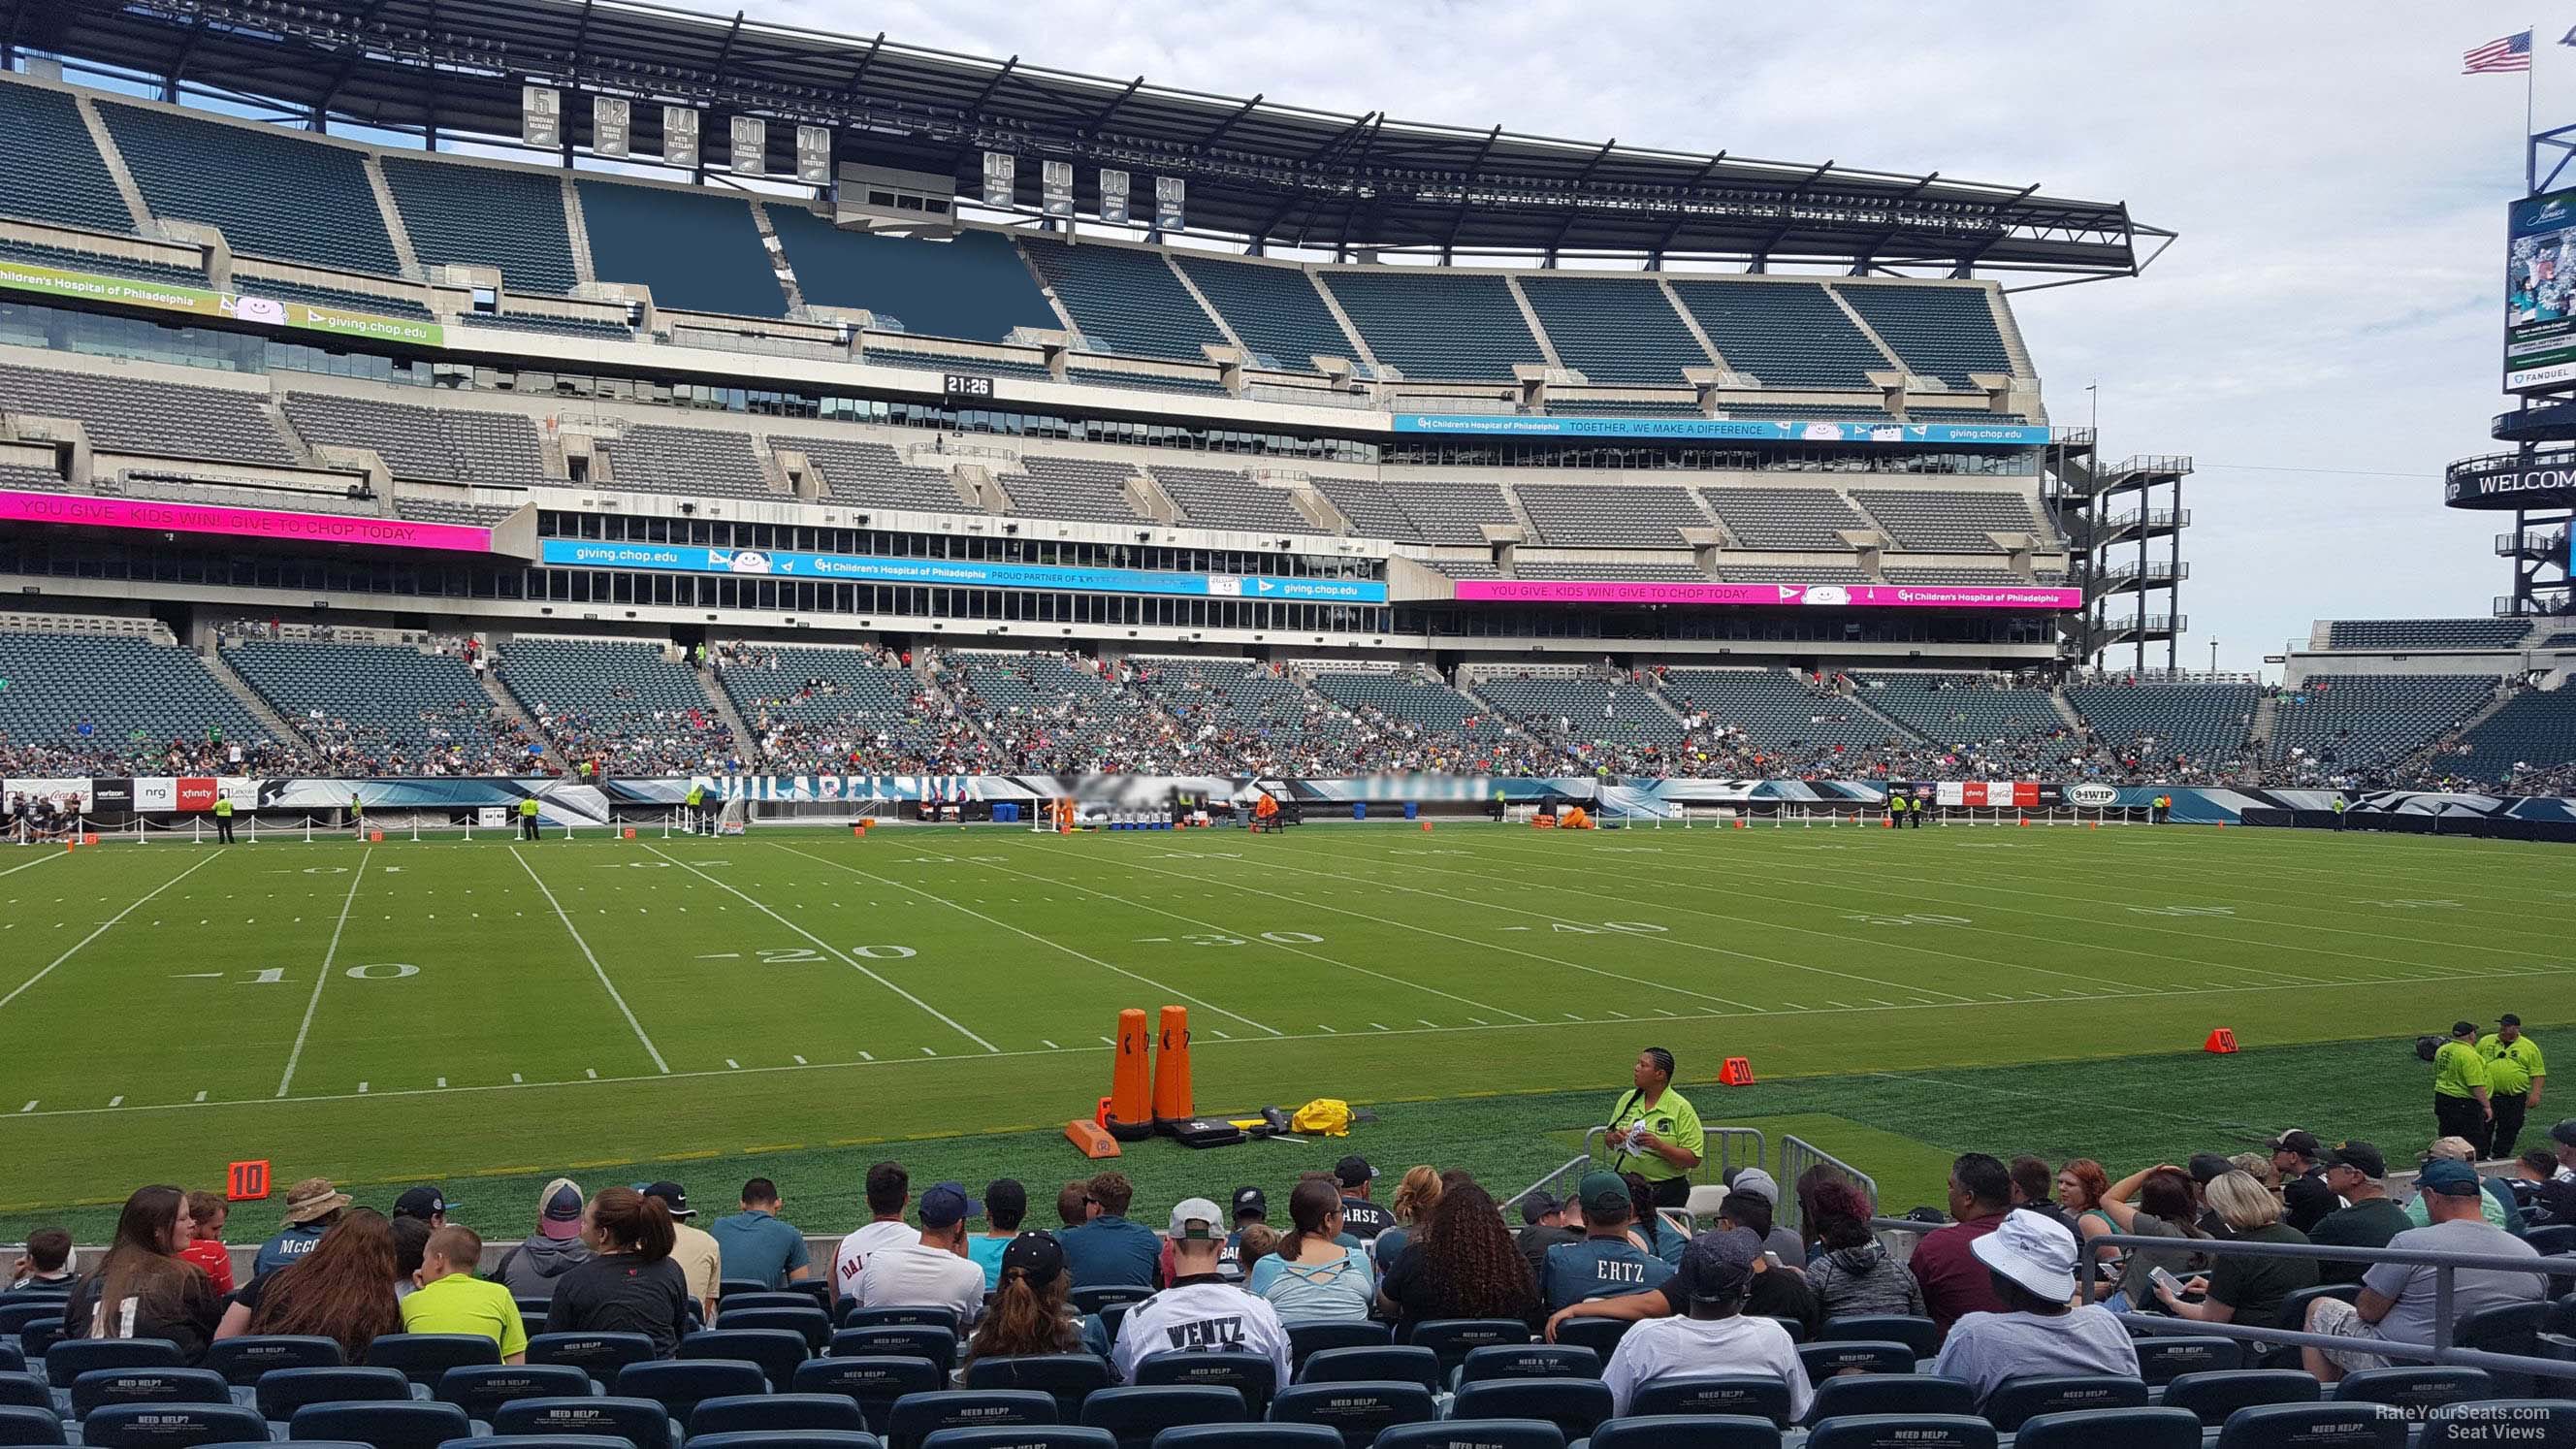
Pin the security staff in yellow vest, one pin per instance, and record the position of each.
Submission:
(527, 817)
(223, 819)
(697, 807)
(2516, 1072)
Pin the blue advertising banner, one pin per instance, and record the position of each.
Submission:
(1753, 430)
(950, 573)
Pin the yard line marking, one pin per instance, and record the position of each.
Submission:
(596, 969)
(322, 977)
(31, 865)
(928, 1052)
(1514, 950)
(2551, 972)
(835, 952)
(1379, 1025)
(30, 1107)
(1042, 1041)
(101, 931)
(441, 1081)
(201, 1096)
(515, 1077)
(119, 1099)
(1319, 1026)
(800, 1061)
(362, 1091)
(1426, 1021)
(591, 1072)
(1221, 1034)
(1079, 955)
(737, 1066)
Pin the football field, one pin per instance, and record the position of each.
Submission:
(436, 1010)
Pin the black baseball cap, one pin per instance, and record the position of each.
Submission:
(1251, 1202)
(2464, 1028)
(2565, 1132)
(2303, 1143)
(1717, 1267)
(1538, 1205)
(2208, 1167)
(421, 1203)
(2508, 1019)
(1037, 1256)
(673, 1196)
(1354, 1170)
(2361, 1157)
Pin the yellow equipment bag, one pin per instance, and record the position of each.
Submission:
(1324, 1117)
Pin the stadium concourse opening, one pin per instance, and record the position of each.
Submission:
(635, 619)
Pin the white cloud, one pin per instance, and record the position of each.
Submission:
(2339, 187)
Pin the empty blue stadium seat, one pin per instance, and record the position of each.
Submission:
(2415, 1390)
(923, 1340)
(1786, 333)
(1033, 1436)
(698, 250)
(1305, 1340)
(15, 1317)
(917, 1316)
(1688, 1431)
(544, 1441)
(2018, 1399)
(1137, 1413)
(760, 1413)
(280, 1392)
(99, 1388)
(422, 1357)
(1529, 1361)
(1359, 1410)
(1614, 329)
(2313, 1426)
(787, 1439)
(1454, 1338)
(51, 169)
(273, 193)
(1829, 1357)
(600, 1355)
(1601, 1335)
(1432, 323)
(973, 287)
(1903, 1431)
(1891, 1394)
(242, 1360)
(2103, 1428)
(1249, 1436)
(641, 1422)
(1410, 1363)
(29, 1424)
(25, 1391)
(182, 1426)
(1125, 299)
(872, 1381)
(680, 1385)
(1758, 1396)
(1251, 1376)
(1462, 1433)
(777, 1350)
(1100, 1296)
(1070, 1377)
(739, 1295)
(1576, 1406)
(2161, 1360)
(481, 1389)
(415, 1424)
(917, 1416)
(66, 1361)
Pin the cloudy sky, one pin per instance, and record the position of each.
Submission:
(2322, 340)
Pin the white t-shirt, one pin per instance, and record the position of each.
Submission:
(852, 1255)
(1199, 1317)
(1661, 1347)
(1988, 1348)
(917, 1275)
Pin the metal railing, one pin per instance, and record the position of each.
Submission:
(1720, 1148)
(2445, 1317)
(1798, 1157)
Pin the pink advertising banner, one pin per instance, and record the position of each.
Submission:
(88, 511)
(1839, 596)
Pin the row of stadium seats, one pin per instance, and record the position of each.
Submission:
(280, 195)
(384, 708)
(625, 705)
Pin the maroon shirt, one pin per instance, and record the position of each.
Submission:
(1954, 1281)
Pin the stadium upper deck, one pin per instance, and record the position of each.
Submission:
(505, 347)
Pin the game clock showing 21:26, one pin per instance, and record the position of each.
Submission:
(958, 384)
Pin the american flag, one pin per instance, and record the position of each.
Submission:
(2513, 52)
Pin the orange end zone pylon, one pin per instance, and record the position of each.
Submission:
(1131, 1101)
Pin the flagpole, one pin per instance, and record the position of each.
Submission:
(2530, 153)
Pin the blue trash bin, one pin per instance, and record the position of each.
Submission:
(1359, 810)
(1412, 810)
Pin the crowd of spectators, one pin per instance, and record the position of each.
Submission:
(2017, 1278)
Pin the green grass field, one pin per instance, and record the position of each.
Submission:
(794, 1001)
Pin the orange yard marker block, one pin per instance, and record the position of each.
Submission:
(1738, 1072)
(2221, 1042)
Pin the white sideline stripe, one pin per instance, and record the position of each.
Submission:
(596, 969)
(1034, 936)
(869, 1060)
(844, 957)
(322, 977)
(101, 931)
(39, 860)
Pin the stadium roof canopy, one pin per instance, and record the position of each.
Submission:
(1275, 174)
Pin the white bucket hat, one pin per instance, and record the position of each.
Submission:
(2033, 1252)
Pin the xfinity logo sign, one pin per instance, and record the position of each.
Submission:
(2092, 795)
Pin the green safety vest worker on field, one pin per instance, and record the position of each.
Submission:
(223, 807)
(1652, 1126)
(528, 808)
(697, 796)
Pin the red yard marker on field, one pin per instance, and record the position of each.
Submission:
(246, 1181)
(1738, 1072)
(2222, 1041)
